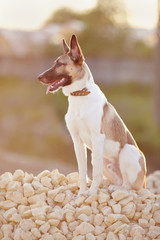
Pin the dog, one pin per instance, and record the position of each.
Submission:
(93, 123)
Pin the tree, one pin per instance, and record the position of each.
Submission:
(62, 15)
(104, 32)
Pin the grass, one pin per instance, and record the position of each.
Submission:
(33, 123)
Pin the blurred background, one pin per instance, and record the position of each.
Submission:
(121, 43)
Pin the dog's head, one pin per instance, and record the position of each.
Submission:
(66, 69)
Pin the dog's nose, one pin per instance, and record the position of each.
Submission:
(40, 76)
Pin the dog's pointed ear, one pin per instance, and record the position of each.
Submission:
(75, 51)
(65, 46)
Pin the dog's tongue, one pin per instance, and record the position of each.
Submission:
(55, 85)
(48, 89)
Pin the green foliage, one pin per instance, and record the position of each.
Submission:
(141, 49)
(106, 32)
(105, 27)
(63, 15)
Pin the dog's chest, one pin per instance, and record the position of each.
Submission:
(79, 124)
(83, 119)
(84, 131)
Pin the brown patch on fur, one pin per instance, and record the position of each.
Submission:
(63, 67)
(141, 178)
(114, 129)
(112, 126)
(112, 172)
(74, 70)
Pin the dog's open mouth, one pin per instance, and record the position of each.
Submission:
(56, 84)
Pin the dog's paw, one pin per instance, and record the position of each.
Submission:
(83, 193)
(113, 188)
(92, 191)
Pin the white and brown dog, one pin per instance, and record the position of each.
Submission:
(94, 123)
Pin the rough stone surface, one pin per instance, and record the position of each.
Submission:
(47, 207)
(153, 182)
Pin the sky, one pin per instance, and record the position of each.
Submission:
(31, 14)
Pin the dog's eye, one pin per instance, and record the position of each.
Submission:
(58, 64)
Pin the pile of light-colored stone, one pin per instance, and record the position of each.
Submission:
(153, 182)
(47, 207)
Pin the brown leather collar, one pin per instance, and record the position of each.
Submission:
(83, 92)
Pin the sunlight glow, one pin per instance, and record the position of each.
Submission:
(142, 13)
(30, 15)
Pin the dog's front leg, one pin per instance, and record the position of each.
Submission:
(97, 161)
(81, 155)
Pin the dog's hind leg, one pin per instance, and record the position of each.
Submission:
(112, 172)
(132, 167)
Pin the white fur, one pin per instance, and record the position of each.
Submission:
(111, 149)
(83, 121)
(129, 163)
(86, 81)
(94, 123)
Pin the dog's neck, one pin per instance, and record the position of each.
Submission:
(79, 84)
